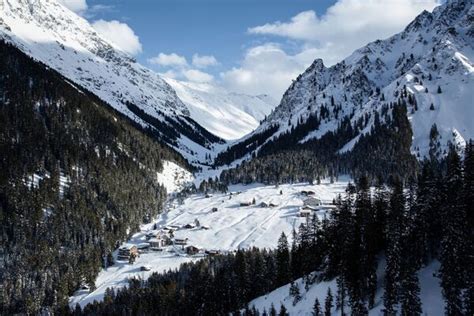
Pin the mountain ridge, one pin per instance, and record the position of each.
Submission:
(217, 109)
(50, 33)
(428, 64)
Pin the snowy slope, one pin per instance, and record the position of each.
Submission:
(430, 295)
(230, 228)
(174, 177)
(50, 33)
(435, 50)
(225, 114)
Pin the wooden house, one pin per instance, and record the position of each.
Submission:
(143, 247)
(305, 212)
(212, 252)
(191, 250)
(126, 251)
(160, 241)
(312, 203)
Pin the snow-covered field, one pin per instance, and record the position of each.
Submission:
(430, 295)
(231, 227)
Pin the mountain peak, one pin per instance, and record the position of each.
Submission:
(429, 66)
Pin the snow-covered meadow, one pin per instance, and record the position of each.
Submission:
(229, 228)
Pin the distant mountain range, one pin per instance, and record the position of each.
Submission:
(226, 114)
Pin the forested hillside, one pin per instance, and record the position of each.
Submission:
(382, 152)
(76, 179)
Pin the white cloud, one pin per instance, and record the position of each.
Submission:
(265, 69)
(178, 68)
(78, 6)
(120, 35)
(168, 60)
(347, 25)
(204, 61)
(195, 75)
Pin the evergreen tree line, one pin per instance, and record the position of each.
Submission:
(409, 224)
(56, 237)
(380, 153)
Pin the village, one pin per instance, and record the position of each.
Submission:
(163, 238)
(212, 224)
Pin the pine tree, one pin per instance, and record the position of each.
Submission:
(283, 260)
(295, 293)
(273, 311)
(328, 304)
(395, 224)
(283, 311)
(410, 291)
(317, 308)
(359, 262)
(453, 243)
(439, 90)
(469, 205)
(296, 256)
(341, 294)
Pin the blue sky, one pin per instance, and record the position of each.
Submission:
(207, 27)
(248, 46)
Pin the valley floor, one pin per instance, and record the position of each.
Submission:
(229, 228)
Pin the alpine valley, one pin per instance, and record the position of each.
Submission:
(126, 193)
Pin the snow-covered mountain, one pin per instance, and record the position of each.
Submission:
(226, 114)
(57, 37)
(430, 63)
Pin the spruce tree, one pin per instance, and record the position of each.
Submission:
(328, 304)
(283, 261)
(273, 311)
(317, 308)
(453, 243)
(410, 294)
(295, 293)
(395, 224)
(283, 311)
(469, 205)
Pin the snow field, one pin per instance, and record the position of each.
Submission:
(232, 227)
